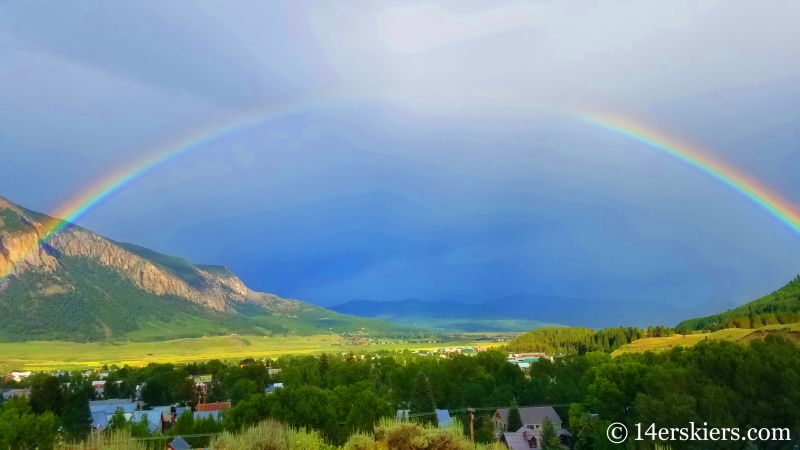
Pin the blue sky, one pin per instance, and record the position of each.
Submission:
(438, 155)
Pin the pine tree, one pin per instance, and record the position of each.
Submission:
(514, 422)
(550, 439)
(76, 420)
(47, 394)
(323, 369)
(422, 402)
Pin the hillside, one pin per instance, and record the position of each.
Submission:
(658, 344)
(779, 307)
(524, 313)
(80, 286)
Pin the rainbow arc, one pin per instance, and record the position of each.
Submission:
(108, 186)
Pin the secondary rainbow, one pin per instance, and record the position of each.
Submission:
(106, 187)
(759, 194)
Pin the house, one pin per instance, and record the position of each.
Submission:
(273, 372)
(442, 416)
(179, 444)
(202, 378)
(153, 420)
(532, 418)
(527, 438)
(219, 406)
(19, 376)
(206, 414)
(103, 410)
(271, 388)
(99, 387)
(16, 392)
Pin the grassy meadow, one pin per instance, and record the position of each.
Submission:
(660, 344)
(45, 355)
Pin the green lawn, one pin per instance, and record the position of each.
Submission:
(38, 355)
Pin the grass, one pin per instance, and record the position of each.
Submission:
(660, 344)
(39, 355)
(472, 325)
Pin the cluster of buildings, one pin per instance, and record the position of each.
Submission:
(524, 360)
(158, 418)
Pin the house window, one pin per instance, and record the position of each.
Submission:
(537, 426)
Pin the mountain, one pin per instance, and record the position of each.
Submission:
(82, 286)
(779, 307)
(524, 312)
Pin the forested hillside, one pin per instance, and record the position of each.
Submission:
(779, 307)
(581, 340)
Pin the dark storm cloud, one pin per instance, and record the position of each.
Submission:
(445, 161)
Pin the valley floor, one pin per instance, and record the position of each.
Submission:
(39, 355)
(790, 331)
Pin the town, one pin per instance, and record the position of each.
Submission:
(185, 400)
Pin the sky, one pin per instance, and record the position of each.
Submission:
(428, 150)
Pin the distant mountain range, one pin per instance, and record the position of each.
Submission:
(82, 286)
(525, 312)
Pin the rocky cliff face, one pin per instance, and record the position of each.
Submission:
(21, 250)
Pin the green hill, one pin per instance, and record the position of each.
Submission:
(779, 307)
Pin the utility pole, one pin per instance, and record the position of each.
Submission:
(472, 427)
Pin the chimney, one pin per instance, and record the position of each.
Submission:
(525, 435)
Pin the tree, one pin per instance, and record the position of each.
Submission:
(550, 440)
(47, 394)
(20, 428)
(422, 402)
(367, 409)
(76, 421)
(584, 430)
(118, 421)
(242, 390)
(323, 369)
(514, 422)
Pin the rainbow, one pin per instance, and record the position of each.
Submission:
(81, 204)
(759, 194)
(71, 211)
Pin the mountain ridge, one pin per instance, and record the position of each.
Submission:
(52, 272)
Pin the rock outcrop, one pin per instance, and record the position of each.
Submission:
(22, 250)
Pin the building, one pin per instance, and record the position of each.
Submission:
(19, 376)
(16, 392)
(442, 416)
(206, 414)
(103, 410)
(99, 387)
(153, 418)
(271, 388)
(219, 406)
(527, 438)
(179, 444)
(532, 418)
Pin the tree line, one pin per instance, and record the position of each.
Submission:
(555, 341)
